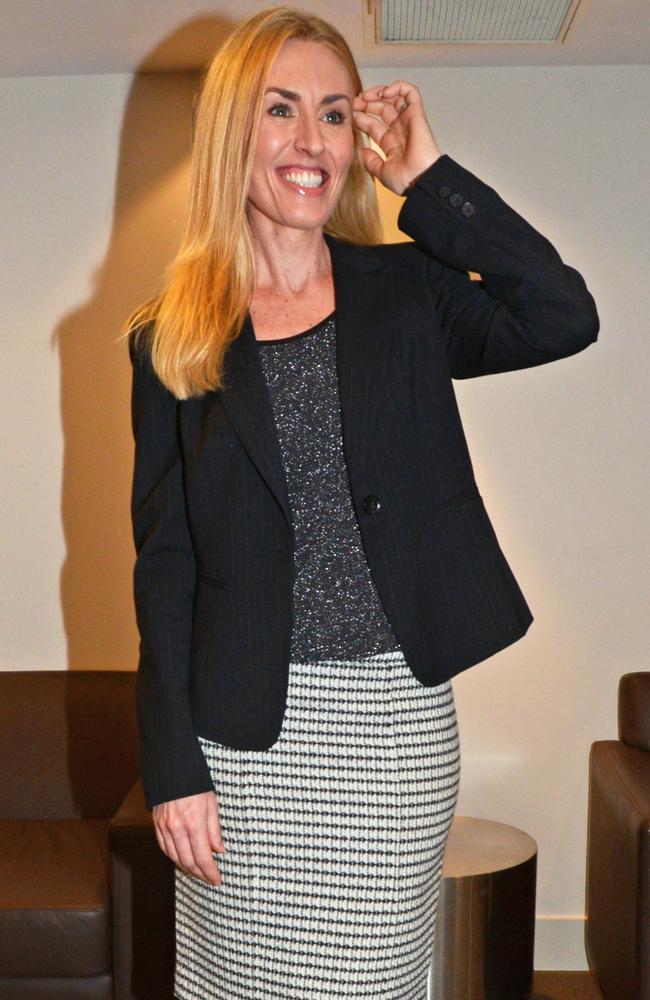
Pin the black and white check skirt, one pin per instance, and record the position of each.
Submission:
(335, 839)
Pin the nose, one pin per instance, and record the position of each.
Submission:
(308, 136)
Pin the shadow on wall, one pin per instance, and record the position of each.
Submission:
(148, 218)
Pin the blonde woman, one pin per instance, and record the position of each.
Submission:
(314, 558)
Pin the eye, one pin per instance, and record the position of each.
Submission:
(341, 115)
(274, 107)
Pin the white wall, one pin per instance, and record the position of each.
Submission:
(94, 173)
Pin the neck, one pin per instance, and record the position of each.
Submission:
(288, 260)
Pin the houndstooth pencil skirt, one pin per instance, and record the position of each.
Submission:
(335, 839)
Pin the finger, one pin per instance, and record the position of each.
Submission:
(165, 841)
(215, 835)
(204, 857)
(167, 845)
(372, 161)
(401, 88)
(379, 132)
(374, 93)
(176, 832)
(376, 100)
(375, 129)
(157, 830)
(386, 111)
(189, 860)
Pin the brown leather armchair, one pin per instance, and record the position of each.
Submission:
(617, 929)
(86, 895)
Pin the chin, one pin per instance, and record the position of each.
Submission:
(305, 223)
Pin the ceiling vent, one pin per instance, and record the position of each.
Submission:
(465, 21)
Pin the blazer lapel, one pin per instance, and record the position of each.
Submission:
(362, 305)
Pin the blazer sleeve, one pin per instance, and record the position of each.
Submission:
(172, 764)
(529, 307)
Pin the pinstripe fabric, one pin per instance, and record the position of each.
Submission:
(335, 836)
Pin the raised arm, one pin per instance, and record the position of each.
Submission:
(529, 308)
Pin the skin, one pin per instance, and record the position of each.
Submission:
(293, 268)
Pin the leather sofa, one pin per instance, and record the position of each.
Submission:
(617, 929)
(86, 895)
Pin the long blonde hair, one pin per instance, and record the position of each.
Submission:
(208, 287)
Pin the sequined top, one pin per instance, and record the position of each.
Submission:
(337, 610)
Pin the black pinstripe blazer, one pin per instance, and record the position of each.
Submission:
(214, 568)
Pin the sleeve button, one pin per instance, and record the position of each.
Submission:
(456, 200)
(444, 191)
(467, 209)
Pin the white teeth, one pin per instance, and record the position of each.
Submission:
(305, 179)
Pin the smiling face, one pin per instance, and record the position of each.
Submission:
(305, 142)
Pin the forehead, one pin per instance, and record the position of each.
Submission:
(305, 65)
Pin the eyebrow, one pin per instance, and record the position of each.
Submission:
(291, 95)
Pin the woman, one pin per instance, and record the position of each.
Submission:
(314, 560)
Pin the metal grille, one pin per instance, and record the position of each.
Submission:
(473, 20)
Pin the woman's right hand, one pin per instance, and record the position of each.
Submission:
(188, 830)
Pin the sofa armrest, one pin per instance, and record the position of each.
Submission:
(133, 819)
(618, 862)
(142, 895)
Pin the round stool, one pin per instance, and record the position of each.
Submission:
(485, 932)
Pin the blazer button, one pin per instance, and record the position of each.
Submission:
(371, 504)
(467, 209)
(456, 200)
(444, 191)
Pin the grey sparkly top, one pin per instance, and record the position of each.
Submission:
(337, 611)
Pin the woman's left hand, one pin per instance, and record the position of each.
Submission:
(393, 116)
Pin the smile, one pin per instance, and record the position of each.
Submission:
(306, 181)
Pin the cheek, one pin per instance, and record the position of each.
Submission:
(345, 156)
(268, 146)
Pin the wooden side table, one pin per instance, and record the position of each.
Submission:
(485, 933)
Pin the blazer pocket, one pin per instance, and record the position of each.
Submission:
(210, 580)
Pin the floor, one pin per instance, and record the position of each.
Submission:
(565, 986)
